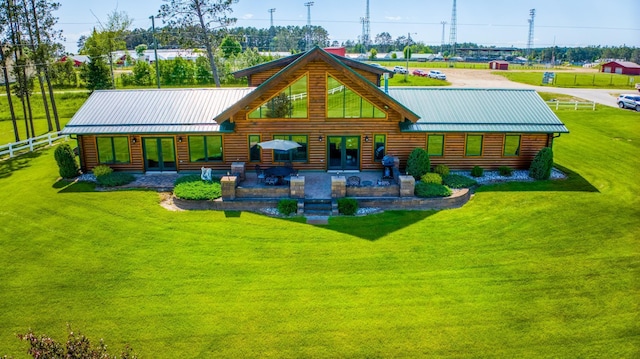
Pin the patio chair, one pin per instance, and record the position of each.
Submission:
(353, 181)
(271, 180)
(293, 173)
(260, 174)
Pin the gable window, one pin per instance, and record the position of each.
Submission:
(435, 145)
(511, 145)
(205, 148)
(342, 102)
(378, 147)
(295, 155)
(290, 103)
(473, 147)
(112, 150)
(254, 149)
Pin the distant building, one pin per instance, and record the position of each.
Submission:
(498, 65)
(621, 67)
(78, 60)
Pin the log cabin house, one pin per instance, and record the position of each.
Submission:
(332, 106)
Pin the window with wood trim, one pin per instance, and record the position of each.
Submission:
(379, 143)
(435, 145)
(473, 145)
(342, 102)
(113, 150)
(254, 149)
(205, 148)
(299, 154)
(293, 102)
(511, 145)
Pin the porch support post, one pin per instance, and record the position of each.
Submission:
(296, 187)
(338, 186)
(228, 187)
(407, 186)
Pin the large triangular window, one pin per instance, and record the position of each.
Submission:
(293, 102)
(342, 102)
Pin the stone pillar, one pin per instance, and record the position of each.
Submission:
(228, 187)
(296, 187)
(237, 168)
(338, 186)
(300, 207)
(407, 186)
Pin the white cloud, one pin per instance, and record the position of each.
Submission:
(247, 16)
(393, 18)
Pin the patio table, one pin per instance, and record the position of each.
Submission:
(279, 172)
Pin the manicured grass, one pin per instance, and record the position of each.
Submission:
(524, 270)
(67, 103)
(573, 79)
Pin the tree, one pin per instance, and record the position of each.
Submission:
(373, 54)
(280, 107)
(200, 15)
(542, 164)
(67, 165)
(96, 72)
(5, 53)
(230, 47)
(384, 41)
(111, 36)
(140, 49)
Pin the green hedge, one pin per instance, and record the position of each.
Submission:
(102, 170)
(194, 188)
(115, 179)
(458, 181)
(442, 170)
(542, 164)
(347, 206)
(431, 178)
(287, 206)
(430, 190)
(418, 163)
(505, 171)
(477, 171)
(66, 160)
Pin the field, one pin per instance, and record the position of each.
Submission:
(67, 102)
(524, 270)
(574, 79)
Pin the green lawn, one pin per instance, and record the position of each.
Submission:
(67, 103)
(573, 79)
(548, 269)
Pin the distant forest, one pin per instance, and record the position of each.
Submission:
(294, 39)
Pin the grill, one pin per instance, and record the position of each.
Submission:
(388, 162)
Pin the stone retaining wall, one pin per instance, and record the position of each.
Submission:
(458, 199)
(371, 191)
(263, 192)
(222, 205)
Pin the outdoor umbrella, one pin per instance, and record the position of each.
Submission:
(280, 145)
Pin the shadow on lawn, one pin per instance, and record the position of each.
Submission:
(67, 186)
(374, 227)
(11, 165)
(573, 183)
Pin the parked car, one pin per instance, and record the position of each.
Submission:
(400, 70)
(629, 101)
(377, 65)
(435, 74)
(419, 73)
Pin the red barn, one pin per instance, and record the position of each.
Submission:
(340, 51)
(498, 65)
(621, 67)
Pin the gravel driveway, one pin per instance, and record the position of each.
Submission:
(485, 79)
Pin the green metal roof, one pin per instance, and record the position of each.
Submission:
(477, 110)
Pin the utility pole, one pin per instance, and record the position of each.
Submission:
(366, 28)
(271, 11)
(442, 41)
(155, 49)
(308, 5)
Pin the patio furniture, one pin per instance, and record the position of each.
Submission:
(287, 178)
(271, 180)
(353, 181)
(260, 174)
(279, 172)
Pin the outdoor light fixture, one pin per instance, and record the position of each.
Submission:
(386, 107)
(180, 139)
(133, 140)
(366, 138)
(320, 138)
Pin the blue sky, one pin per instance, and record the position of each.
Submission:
(499, 23)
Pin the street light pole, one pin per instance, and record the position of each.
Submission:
(407, 55)
(155, 49)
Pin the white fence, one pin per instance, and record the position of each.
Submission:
(31, 144)
(575, 104)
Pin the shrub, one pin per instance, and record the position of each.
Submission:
(287, 206)
(477, 171)
(542, 164)
(66, 160)
(102, 170)
(442, 170)
(194, 188)
(458, 181)
(431, 178)
(418, 163)
(115, 179)
(347, 206)
(505, 171)
(430, 190)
